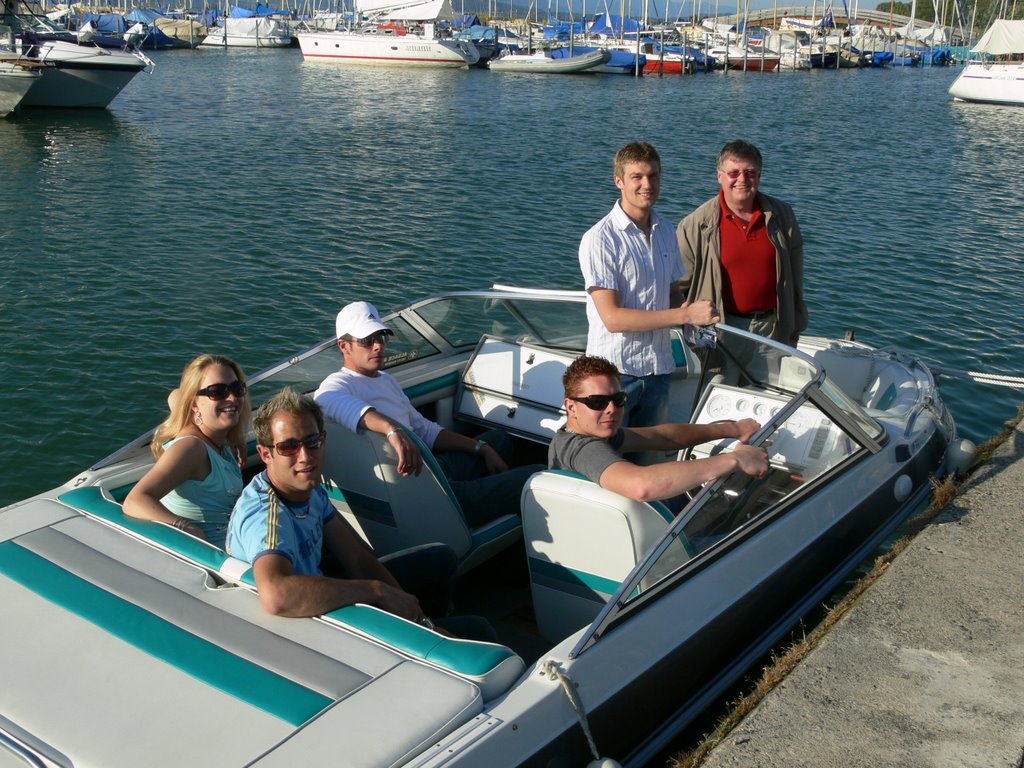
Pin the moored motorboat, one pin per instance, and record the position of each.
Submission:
(995, 74)
(619, 62)
(74, 71)
(545, 62)
(114, 614)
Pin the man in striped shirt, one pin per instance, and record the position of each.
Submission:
(631, 267)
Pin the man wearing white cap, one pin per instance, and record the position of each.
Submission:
(363, 396)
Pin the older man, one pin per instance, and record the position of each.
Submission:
(363, 396)
(743, 250)
(593, 440)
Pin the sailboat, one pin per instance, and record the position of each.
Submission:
(394, 34)
(999, 81)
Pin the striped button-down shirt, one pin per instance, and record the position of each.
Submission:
(615, 254)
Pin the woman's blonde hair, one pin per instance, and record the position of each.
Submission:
(185, 396)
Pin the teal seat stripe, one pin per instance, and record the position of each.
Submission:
(677, 353)
(572, 577)
(376, 510)
(467, 658)
(199, 658)
(493, 532)
(92, 500)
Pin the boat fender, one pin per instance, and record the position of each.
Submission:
(960, 457)
(903, 487)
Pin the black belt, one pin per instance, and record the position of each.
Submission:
(762, 315)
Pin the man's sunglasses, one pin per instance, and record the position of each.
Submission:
(221, 391)
(600, 402)
(291, 447)
(368, 341)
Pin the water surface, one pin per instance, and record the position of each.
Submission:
(232, 201)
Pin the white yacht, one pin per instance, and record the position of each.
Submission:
(15, 82)
(995, 74)
(394, 35)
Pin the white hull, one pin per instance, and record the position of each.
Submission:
(114, 614)
(14, 84)
(990, 83)
(386, 50)
(540, 63)
(82, 75)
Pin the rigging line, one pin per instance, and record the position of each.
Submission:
(995, 379)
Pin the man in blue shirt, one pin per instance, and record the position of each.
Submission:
(284, 517)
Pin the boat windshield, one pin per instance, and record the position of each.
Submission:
(446, 324)
(810, 430)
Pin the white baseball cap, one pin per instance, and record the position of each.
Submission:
(359, 320)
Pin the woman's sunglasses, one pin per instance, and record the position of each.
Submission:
(600, 402)
(291, 447)
(221, 391)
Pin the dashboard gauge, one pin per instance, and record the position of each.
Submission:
(760, 409)
(743, 405)
(719, 406)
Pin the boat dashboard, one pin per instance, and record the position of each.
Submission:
(806, 443)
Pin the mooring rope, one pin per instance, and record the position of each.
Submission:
(995, 379)
(550, 666)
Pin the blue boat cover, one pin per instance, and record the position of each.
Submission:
(605, 24)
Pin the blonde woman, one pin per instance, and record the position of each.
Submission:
(200, 450)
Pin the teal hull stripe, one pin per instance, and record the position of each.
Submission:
(193, 655)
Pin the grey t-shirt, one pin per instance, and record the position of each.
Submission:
(590, 456)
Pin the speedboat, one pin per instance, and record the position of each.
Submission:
(545, 62)
(995, 75)
(130, 642)
(15, 82)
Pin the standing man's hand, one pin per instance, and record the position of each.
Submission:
(702, 312)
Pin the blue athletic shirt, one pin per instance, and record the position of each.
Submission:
(263, 523)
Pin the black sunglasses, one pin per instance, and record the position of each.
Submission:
(291, 447)
(221, 391)
(600, 402)
(369, 341)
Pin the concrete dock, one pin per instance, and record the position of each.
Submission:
(927, 669)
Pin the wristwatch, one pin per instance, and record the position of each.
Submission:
(479, 447)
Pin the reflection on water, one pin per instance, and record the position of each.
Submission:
(234, 199)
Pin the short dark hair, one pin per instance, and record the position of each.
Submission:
(288, 401)
(584, 367)
(741, 150)
(635, 152)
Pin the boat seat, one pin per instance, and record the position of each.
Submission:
(582, 541)
(392, 512)
(491, 667)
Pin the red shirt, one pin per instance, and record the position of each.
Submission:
(748, 262)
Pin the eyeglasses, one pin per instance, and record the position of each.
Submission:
(600, 402)
(747, 173)
(291, 447)
(380, 337)
(221, 391)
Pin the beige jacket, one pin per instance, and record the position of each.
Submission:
(701, 247)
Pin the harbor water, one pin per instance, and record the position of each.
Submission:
(233, 200)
